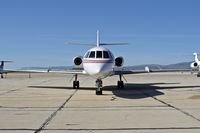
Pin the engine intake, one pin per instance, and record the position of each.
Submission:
(194, 65)
(119, 61)
(78, 61)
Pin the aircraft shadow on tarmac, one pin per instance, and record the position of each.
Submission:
(130, 91)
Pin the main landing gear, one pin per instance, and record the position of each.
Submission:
(3, 75)
(99, 85)
(120, 83)
(198, 74)
(76, 82)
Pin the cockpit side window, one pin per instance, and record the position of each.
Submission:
(111, 55)
(86, 55)
(105, 54)
(99, 54)
(92, 54)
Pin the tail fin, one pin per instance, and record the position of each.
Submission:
(196, 57)
(2, 65)
(98, 42)
(103, 44)
(98, 38)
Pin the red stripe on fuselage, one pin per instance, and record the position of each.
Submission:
(98, 61)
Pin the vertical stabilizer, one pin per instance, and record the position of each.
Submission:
(196, 57)
(2, 65)
(98, 38)
(1, 68)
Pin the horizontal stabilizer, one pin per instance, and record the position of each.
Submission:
(76, 43)
(5, 61)
(102, 44)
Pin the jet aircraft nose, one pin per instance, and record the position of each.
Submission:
(99, 69)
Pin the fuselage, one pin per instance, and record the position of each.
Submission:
(98, 62)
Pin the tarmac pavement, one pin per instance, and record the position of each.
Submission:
(149, 103)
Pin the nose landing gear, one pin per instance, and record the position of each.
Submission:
(99, 85)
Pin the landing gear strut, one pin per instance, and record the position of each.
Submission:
(198, 74)
(99, 87)
(2, 75)
(120, 83)
(76, 82)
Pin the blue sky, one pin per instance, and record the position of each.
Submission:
(34, 32)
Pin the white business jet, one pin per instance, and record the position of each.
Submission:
(195, 66)
(99, 62)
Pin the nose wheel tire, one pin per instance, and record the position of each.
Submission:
(99, 92)
(99, 87)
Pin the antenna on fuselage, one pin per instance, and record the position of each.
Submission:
(98, 38)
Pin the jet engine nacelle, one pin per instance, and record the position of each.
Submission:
(119, 61)
(78, 61)
(194, 65)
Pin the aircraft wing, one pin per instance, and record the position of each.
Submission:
(69, 72)
(44, 71)
(124, 71)
(22, 71)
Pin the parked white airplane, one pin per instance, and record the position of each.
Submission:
(99, 62)
(195, 66)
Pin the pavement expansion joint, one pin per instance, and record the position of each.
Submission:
(124, 129)
(47, 121)
(171, 106)
(9, 91)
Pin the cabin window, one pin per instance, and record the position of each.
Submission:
(99, 54)
(92, 54)
(105, 54)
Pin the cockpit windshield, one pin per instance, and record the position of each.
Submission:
(92, 54)
(99, 54)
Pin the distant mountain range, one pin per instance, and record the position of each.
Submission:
(182, 65)
(55, 68)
